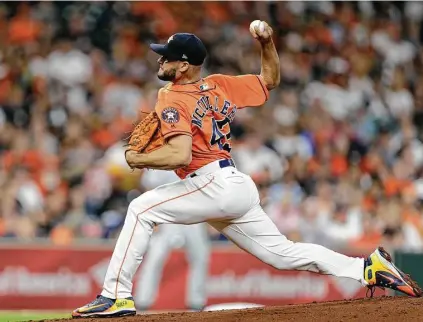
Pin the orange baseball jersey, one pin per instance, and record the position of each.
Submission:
(204, 110)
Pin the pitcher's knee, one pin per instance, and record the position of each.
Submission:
(267, 257)
(277, 262)
(141, 208)
(142, 203)
(274, 256)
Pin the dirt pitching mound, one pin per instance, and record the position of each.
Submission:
(376, 309)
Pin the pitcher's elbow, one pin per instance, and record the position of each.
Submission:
(181, 160)
(186, 161)
(272, 84)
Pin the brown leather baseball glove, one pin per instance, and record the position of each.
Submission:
(146, 135)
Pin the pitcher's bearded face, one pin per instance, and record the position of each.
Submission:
(167, 75)
(167, 69)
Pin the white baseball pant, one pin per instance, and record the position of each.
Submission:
(229, 201)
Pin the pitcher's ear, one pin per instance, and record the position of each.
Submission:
(183, 67)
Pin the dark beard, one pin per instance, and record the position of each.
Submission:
(168, 75)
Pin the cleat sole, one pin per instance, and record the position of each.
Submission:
(105, 314)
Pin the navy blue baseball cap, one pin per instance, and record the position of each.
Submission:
(184, 47)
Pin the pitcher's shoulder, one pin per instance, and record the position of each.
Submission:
(164, 89)
(216, 78)
(168, 98)
(167, 93)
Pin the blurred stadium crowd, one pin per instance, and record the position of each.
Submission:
(337, 151)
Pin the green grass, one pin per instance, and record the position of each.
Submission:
(6, 316)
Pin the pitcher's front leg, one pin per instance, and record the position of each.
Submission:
(179, 202)
(116, 298)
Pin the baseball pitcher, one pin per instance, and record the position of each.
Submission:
(197, 245)
(189, 132)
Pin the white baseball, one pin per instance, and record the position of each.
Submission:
(256, 25)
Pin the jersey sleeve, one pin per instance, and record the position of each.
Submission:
(244, 90)
(174, 119)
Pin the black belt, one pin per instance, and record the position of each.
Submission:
(222, 164)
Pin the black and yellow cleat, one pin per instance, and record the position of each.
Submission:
(105, 307)
(380, 271)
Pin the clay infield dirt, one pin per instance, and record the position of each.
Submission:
(374, 309)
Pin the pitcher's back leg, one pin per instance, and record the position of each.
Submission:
(256, 233)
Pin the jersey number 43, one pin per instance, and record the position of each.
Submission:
(218, 137)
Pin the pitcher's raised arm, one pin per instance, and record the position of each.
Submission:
(270, 69)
